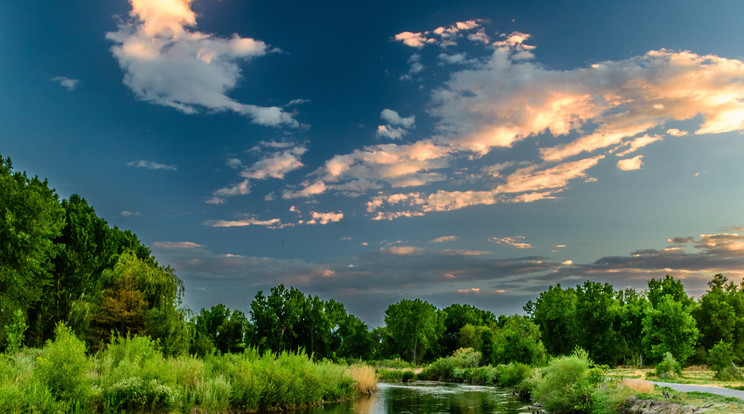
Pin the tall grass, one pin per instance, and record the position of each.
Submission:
(132, 375)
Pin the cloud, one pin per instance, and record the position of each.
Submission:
(167, 62)
(508, 97)
(397, 127)
(637, 144)
(275, 222)
(512, 241)
(67, 83)
(177, 245)
(402, 250)
(150, 165)
(442, 36)
(127, 213)
(463, 252)
(676, 132)
(274, 165)
(631, 164)
(444, 239)
(393, 165)
(325, 218)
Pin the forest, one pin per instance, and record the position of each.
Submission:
(66, 273)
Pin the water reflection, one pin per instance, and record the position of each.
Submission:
(429, 398)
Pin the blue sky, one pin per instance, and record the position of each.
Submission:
(471, 152)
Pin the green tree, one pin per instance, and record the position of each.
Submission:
(716, 318)
(597, 322)
(414, 327)
(657, 289)
(632, 312)
(15, 332)
(356, 339)
(518, 340)
(457, 317)
(554, 312)
(669, 327)
(220, 329)
(136, 297)
(30, 219)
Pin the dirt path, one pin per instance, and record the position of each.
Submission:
(702, 388)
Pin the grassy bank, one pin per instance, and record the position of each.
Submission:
(133, 375)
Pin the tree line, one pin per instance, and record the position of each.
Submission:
(61, 263)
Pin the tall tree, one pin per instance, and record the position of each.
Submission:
(30, 219)
(597, 322)
(554, 312)
(669, 327)
(518, 340)
(414, 327)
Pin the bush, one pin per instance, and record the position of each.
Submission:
(721, 360)
(444, 368)
(668, 367)
(512, 374)
(63, 366)
(567, 383)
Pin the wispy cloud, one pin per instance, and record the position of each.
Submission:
(444, 239)
(67, 83)
(274, 165)
(127, 213)
(515, 241)
(151, 165)
(167, 62)
(177, 245)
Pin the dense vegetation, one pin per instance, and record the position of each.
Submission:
(77, 296)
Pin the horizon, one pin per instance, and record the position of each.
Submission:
(457, 153)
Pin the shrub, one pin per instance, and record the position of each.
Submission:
(513, 373)
(444, 368)
(721, 360)
(609, 398)
(567, 383)
(63, 366)
(668, 367)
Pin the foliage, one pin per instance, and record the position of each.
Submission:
(457, 318)
(567, 383)
(444, 368)
(30, 219)
(14, 332)
(554, 312)
(63, 366)
(414, 327)
(518, 340)
(597, 320)
(669, 327)
(668, 367)
(721, 360)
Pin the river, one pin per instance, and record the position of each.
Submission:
(429, 398)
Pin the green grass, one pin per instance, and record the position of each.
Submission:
(132, 375)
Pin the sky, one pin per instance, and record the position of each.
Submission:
(458, 152)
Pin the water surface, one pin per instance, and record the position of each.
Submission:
(430, 398)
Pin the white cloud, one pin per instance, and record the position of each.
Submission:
(507, 98)
(631, 164)
(676, 132)
(67, 83)
(127, 213)
(325, 218)
(402, 250)
(275, 165)
(444, 239)
(177, 245)
(167, 62)
(442, 36)
(151, 165)
(392, 118)
(397, 127)
(245, 223)
(512, 241)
